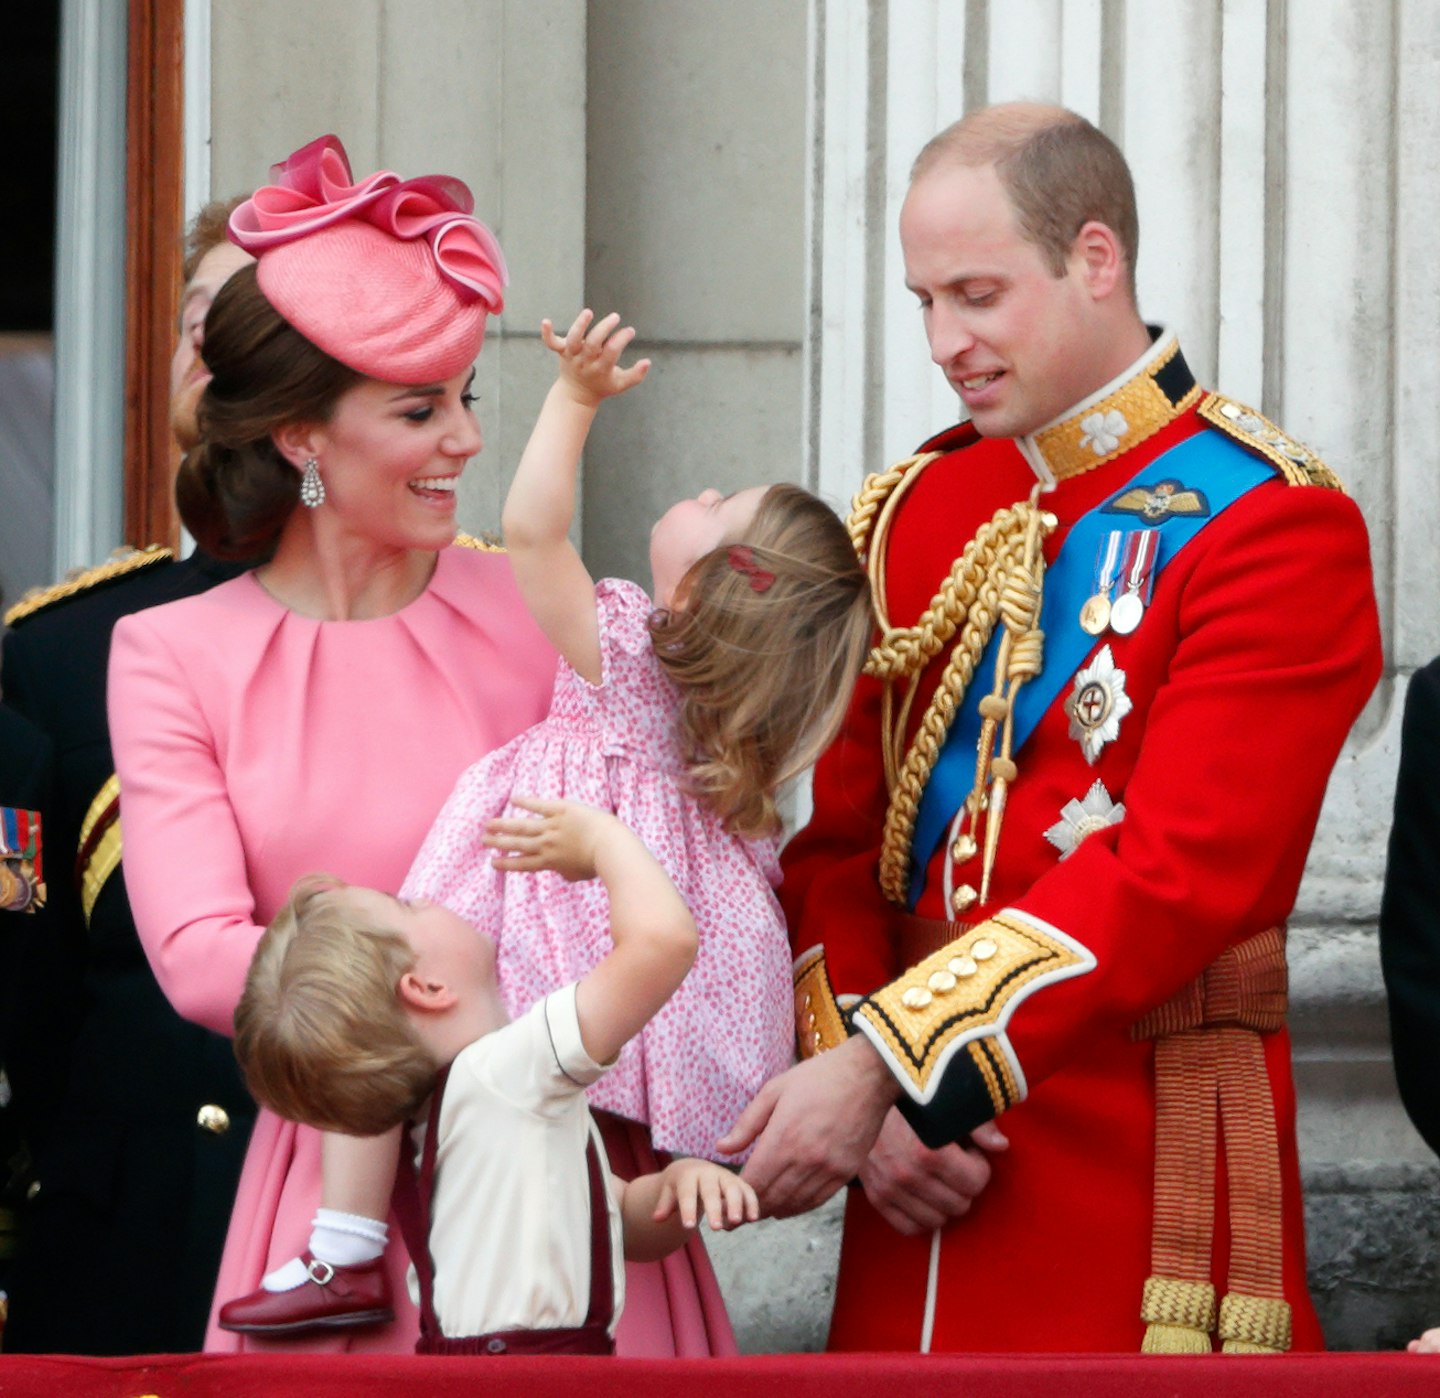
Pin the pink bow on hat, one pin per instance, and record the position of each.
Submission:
(392, 277)
(314, 189)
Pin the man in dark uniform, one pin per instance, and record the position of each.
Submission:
(33, 955)
(1410, 918)
(136, 1167)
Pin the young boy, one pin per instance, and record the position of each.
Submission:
(358, 1007)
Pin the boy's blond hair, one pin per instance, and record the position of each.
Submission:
(320, 1032)
(765, 643)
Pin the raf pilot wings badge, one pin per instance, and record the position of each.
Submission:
(1154, 504)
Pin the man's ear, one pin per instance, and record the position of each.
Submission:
(426, 996)
(297, 442)
(1101, 259)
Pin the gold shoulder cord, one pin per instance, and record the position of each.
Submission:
(997, 577)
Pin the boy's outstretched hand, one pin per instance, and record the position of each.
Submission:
(590, 357)
(566, 838)
(690, 1187)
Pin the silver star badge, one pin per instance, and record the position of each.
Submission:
(1097, 704)
(1079, 819)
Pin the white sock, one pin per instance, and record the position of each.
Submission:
(286, 1278)
(341, 1239)
(344, 1240)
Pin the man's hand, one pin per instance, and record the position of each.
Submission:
(916, 1189)
(813, 1127)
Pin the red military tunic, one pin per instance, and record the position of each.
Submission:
(1257, 650)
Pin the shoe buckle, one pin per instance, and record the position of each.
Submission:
(321, 1273)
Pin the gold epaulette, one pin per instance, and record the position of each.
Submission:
(120, 563)
(485, 543)
(1297, 463)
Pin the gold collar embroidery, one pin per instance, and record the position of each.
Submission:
(1152, 392)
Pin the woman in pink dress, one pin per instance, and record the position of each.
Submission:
(314, 713)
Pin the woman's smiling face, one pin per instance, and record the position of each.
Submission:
(391, 456)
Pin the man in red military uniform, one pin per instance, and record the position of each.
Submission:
(1125, 626)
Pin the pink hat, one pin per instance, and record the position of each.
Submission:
(393, 278)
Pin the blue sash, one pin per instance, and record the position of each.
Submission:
(1225, 469)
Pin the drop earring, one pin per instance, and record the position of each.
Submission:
(312, 488)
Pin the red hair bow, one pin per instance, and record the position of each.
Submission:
(742, 560)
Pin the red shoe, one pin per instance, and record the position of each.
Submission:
(331, 1298)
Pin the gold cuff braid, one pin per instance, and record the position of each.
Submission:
(962, 995)
(819, 1020)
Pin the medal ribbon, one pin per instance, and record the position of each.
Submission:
(1229, 472)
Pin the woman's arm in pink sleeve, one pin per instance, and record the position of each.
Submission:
(183, 861)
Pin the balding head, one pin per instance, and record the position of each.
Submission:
(1059, 172)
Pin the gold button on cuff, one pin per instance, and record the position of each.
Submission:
(963, 966)
(984, 949)
(941, 981)
(213, 1119)
(916, 998)
(964, 849)
(964, 898)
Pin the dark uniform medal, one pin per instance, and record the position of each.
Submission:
(22, 877)
(1095, 614)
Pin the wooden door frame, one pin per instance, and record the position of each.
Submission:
(155, 194)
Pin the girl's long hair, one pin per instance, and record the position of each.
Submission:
(765, 641)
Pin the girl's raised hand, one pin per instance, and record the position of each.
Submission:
(589, 356)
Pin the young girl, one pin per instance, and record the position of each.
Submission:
(683, 716)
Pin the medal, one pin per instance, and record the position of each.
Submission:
(1080, 819)
(1095, 614)
(1126, 614)
(1141, 550)
(1097, 704)
(22, 882)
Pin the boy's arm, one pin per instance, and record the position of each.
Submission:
(660, 1211)
(540, 506)
(653, 932)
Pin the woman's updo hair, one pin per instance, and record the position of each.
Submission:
(235, 490)
(765, 642)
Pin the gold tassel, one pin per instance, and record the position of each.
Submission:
(1175, 1339)
(1179, 1316)
(1254, 1324)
